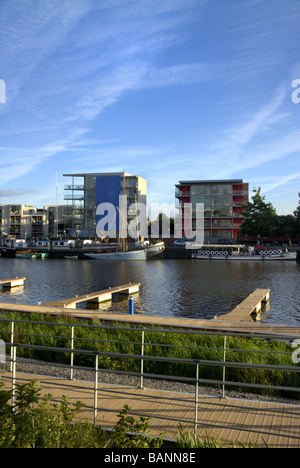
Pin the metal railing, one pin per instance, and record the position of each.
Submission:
(142, 357)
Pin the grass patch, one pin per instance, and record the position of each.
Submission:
(97, 337)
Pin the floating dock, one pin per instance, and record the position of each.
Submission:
(249, 307)
(96, 297)
(12, 282)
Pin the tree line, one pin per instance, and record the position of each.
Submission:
(262, 220)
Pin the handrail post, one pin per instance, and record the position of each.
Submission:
(72, 354)
(142, 360)
(96, 390)
(224, 368)
(12, 331)
(14, 364)
(196, 397)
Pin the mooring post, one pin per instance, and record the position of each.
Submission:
(131, 306)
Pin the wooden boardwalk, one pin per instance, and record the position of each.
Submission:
(163, 407)
(169, 322)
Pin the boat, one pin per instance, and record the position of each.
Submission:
(155, 250)
(119, 255)
(71, 257)
(31, 254)
(241, 252)
(42, 255)
(26, 254)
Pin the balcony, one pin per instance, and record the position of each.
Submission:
(183, 194)
(74, 197)
(237, 204)
(240, 193)
(74, 187)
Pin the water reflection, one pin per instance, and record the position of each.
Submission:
(177, 288)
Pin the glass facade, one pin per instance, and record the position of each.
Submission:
(223, 205)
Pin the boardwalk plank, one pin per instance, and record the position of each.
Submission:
(244, 414)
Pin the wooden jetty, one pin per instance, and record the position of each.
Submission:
(12, 282)
(96, 297)
(250, 306)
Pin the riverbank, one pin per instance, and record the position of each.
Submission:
(171, 355)
(169, 252)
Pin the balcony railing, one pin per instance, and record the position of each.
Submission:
(74, 187)
(74, 197)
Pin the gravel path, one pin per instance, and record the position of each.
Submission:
(112, 378)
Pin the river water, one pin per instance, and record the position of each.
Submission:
(171, 288)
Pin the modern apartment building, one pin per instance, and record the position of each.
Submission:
(27, 222)
(223, 202)
(21, 221)
(86, 192)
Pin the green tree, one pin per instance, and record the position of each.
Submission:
(285, 226)
(297, 218)
(260, 216)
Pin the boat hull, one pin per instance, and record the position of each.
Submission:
(128, 255)
(32, 255)
(248, 258)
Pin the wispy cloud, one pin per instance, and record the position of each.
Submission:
(84, 58)
(236, 139)
(269, 184)
(8, 194)
(38, 34)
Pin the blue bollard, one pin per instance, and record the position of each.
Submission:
(131, 306)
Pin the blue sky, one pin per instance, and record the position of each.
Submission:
(166, 89)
